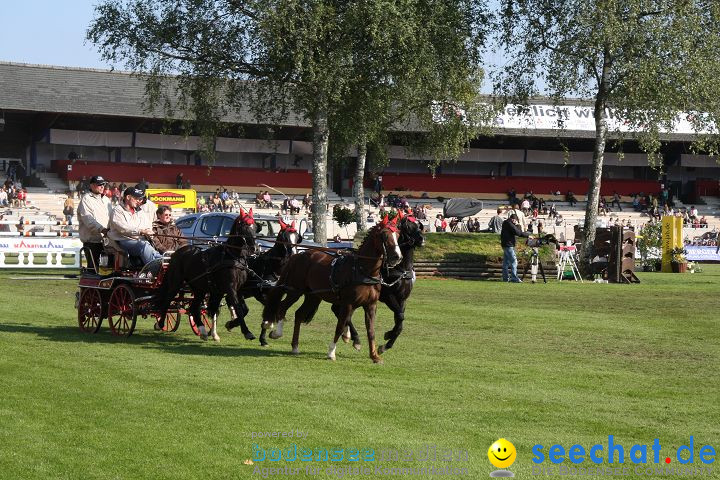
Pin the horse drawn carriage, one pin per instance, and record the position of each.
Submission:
(120, 290)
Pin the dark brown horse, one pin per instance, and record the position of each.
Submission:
(216, 271)
(347, 281)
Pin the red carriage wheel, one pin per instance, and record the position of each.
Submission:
(122, 313)
(207, 321)
(90, 310)
(172, 321)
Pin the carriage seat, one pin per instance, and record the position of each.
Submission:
(123, 261)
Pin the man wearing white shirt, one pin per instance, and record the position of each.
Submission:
(129, 223)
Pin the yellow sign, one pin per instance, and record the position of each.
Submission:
(671, 238)
(176, 198)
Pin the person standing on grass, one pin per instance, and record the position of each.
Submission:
(510, 231)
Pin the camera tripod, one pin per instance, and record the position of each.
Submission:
(533, 265)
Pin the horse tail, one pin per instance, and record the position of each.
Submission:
(172, 281)
(272, 303)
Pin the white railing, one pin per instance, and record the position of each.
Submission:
(23, 252)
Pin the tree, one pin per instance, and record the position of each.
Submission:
(334, 63)
(645, 60)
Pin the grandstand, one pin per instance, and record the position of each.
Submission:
(63, 124)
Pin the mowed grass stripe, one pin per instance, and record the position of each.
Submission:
(557, 363)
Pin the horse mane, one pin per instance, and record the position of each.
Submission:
(372, 231)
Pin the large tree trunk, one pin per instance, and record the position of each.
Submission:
(593, 196)
(321, 134)
(358, 190)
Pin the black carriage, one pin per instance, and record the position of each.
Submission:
(120, 290)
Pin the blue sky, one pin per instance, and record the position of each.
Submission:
(48, 32)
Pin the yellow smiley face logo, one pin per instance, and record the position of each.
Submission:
(502, 453)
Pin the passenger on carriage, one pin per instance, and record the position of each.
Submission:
(168, 237)
(131, 225)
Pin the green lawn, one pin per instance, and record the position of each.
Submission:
(561, 363)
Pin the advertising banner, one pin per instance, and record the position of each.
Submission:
(671, 238)
(175, 198)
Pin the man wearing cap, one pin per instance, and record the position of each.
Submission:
(129, 224)
(93, 219)
(510, 230)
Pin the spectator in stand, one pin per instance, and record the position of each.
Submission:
(3, 197)
(559, 220)
(187, 185)
(602, 207)
(259, 199)
(570, 198)
(22, 197)
(307, 201)
(108, 192)
(179, 180)
(93, 220)
(616, 201)
(703, 222)
(512, 196)
(519, 214)
(295, 206)
(130, 227)
(636, 203)
(82, 187)
(168, 236)
(525, 206)
(496, 222)
(142, 185)
(541, 229)
(440, 223)
(693, 213)
(69, 208)
(116, 192)
(268, 200)
(216, 203)
(552, 213)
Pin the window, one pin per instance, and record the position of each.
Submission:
(227, 226)
(185, 223)
(267, 228)
(210, 225)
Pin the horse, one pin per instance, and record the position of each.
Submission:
(398, 281)
(218, 271)
(347, 281)
(397, 284)
(264, 270)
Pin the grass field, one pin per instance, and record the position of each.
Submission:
(561, 363)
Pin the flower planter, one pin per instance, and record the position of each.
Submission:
(678, 267)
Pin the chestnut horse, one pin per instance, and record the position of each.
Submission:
(346, 281)
(398, 281)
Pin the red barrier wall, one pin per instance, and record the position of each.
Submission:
(197, 175)
(419, 182)
(707, 188)
(486, 184)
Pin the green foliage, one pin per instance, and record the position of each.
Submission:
(343, 216)
(649, 240)
(678, 255)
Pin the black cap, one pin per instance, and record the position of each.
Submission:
(135, 192)
(98, 180)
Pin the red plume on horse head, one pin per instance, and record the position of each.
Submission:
(290, 227)
(389, 224)
(246, 217)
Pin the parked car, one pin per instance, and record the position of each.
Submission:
(217, 225)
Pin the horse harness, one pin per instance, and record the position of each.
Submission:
(358, 275)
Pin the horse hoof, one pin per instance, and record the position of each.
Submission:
(249, 336)
(204, 337)
(331, 358)
(229, 326)
(388, 335)
(295, 351)
(263, 344)
(345, 339)
(216, 338)
(381, 350)
(377, 360)
(357, 346)
(157, 327)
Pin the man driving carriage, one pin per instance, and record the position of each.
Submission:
(131, 225)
